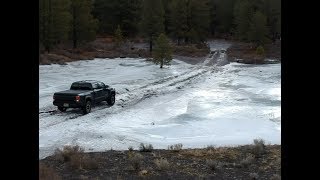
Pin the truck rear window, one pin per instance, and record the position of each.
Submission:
(81, 86)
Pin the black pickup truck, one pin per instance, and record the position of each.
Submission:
(83, 94)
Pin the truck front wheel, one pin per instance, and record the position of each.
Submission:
(87, 108)
(62, 109)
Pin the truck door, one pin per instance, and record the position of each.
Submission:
(105, 91)
(98, 92)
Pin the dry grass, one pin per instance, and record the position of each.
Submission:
(247, 161)
(218, 153)
(275, 177)
(75, 156)
(89, 163)
(76, 161)
(143, 172)
(162, 164)
(47, 173)
(196, 152)
(226, 154)
(186, 163)
(254, 176)
(67, 152)
(214, 164)
(135, 160)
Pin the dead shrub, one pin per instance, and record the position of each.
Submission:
(247, 161)
(67, 152)
(275, 177)
(162, 164)
(76, 158)
(196, 153)
(175, 147)
(135, 160)
(145, 148)
(214, 164)
(130, 148)
(259, 147)
(254, 176)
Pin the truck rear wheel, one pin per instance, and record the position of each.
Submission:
(87, 108)
(111, 100)
(62, 109)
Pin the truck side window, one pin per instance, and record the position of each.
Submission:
(95, 86)
(102, 85)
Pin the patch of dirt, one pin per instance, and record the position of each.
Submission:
(103, 47)
(208, 163)
(246, 53)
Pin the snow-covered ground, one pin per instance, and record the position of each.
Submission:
(196, 105)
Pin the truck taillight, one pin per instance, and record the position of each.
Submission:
(77, 98)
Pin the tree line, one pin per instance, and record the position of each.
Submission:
(183, 21)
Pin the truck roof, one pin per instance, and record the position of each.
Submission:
(87, 81)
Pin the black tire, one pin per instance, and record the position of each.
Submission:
(111, 100)
(87, 108)
(62, 109)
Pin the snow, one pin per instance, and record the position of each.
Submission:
(196, 105)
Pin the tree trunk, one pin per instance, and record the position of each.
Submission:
(161, 64)
(186, 40)
(74, 43)
(150, 41)
(49, 35)
(47, 49)
(74, 38)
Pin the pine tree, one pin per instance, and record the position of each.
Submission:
(62, 19)
(130, 16)
(44, 24)
(199, 19)
(243, 12)
(167, 14)
(111, 13)
(213, 17)
(84, 26)
(162, 53)
(273, 13)
(178, 19)
(258, 30)
(118, 36)
(152, 19)
(104, 10)
(54, 22)
(189, 20)
(222, 15)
